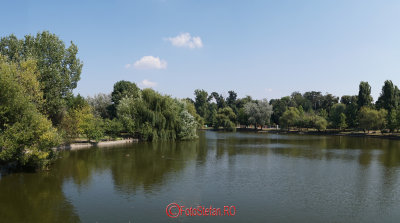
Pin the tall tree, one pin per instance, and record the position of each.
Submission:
(388, 98)
(58, 66)
(201, 102)
(121, 90)
(351, 111)
(219, 99)
(27, 136)
(364, 95)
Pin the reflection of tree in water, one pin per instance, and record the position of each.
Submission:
(147, 165)
(35, 197)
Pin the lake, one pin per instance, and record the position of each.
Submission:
(258, 177)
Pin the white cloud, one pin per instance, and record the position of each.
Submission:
(149, 62)
(268, 89)
(147, 83)
(186, 40)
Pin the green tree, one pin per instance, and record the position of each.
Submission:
(371, 119)
(26, 136)
(351, 111)
(225, 118)
(259, 112)
(342, 123)
(364, 95)
(101, 104)
(113, 128)
(80, 120)
(121, 90)
(388, 98)
(319, 123)
(336, 117)
(152, 116)
(290, 117)
(58, 66)
(201, 102)
(392, 122)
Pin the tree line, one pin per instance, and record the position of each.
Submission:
(310, 110)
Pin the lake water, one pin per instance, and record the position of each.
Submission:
(265, 177)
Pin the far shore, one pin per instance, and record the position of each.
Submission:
(331, 132)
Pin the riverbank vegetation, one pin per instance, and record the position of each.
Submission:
(39, 111)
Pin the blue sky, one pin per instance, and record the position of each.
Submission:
(266, 49)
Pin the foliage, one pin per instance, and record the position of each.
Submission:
(319, 123)
(290, 117)
(372, 119)
(201, 102)
(152, 116)
(364, 95)
(79, 121)
(26, 136)
(101, 104)
(226, 119)
(113, 128)
(336, 115)
(58, 67)
(389, 97)
(259, 112)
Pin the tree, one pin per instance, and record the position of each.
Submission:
(80, 120)
(113, 128)
(152, 116)
(320, 123)
(342, 122)
(388, 98)
(364, 95)
(392, 122)
(315, 97)
(290, 117)
(58, 66)
(259, 112)
(231, 101)
(351, 111)
(27, 136)
(121, 90)
(371, 119)
(189, 105)
(101, 104)
(219, 99)
(201, 102)
(243, 118)
(336, 115)
(279, 107)
(225, 118)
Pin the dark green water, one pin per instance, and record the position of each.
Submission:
(267, 177)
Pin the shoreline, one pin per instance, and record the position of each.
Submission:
(78, 146)
(334, 133)
(321, 133)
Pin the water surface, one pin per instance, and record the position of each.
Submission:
(267, 177)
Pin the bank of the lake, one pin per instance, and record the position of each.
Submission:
(84, 145)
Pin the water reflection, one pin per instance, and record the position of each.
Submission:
(34, 198)
(299, 178)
